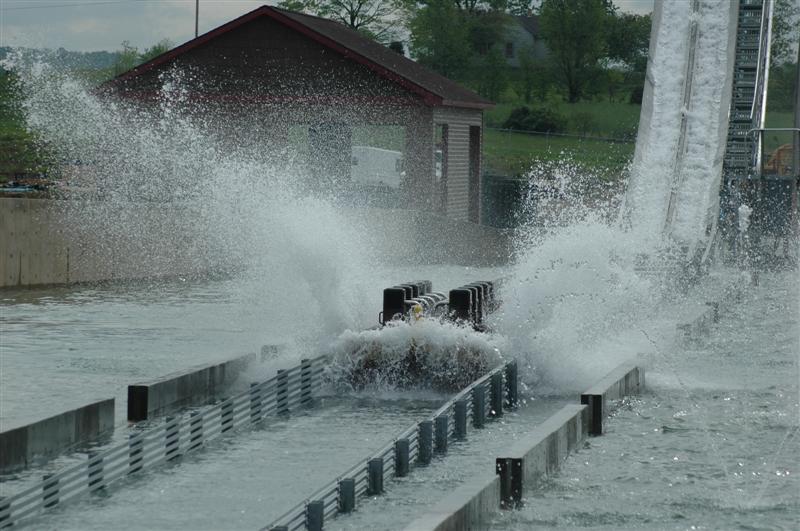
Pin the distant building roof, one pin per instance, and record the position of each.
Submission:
(435, 89)
(529, 23)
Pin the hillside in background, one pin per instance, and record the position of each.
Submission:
(73, 60)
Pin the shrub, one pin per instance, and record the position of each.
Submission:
(535, 119)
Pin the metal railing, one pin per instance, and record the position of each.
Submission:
(290, 390)
(483, 399)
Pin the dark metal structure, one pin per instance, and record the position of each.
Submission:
(275, 70)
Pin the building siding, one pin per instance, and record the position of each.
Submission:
(459, 122)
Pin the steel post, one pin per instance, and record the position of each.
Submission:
(401, 458)
(226, 414)
(135, 444)
(282, 392)
(441, 434)
(195, 430)
(479, 406)
(512, 384)
(460, 420)
(255, 403)
(375, 476)
(496, 385)
(95, 469)
(171, 438)
(315, 515)
(347, 495)
(425, 442)
(306, 383)
(50, 491)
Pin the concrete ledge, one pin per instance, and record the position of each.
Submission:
(465, 508)
(193, 386)
(21, 446)
(627, 379)
(541, 452)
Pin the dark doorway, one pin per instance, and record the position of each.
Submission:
(475, 174)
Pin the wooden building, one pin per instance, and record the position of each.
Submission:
(276, 70)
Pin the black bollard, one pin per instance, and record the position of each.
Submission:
(479, 406)
(512, 384)
(425, 442)
(375, 476)
(315, 515)
(496, 385)
(460, 302)
(460, 420)
(347, 495)
(401, 458)
(394, 303)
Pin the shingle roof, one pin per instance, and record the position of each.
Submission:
(531, 24)
(435, 89)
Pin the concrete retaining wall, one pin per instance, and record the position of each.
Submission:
(465, 508)
(21, 446)
(44, 241)
(194, 386)
(541, 452)
(627, 379)
(534, 456)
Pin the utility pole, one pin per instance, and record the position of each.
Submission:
(196, 16)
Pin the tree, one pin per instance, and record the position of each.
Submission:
(374, 18)
(493, 74)
(127, 58)
(440, 37)
(785, 32)
(454, 36)
(575, 33)
(532, 77)
(628, 39)
(162, 46)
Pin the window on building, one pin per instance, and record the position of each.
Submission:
(509, 50)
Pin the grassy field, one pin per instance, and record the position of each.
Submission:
(512, 154)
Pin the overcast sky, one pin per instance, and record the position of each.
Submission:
(90, 25)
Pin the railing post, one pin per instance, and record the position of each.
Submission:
(375, 476)
(401, 458)
(255, 403)
(50, 491)
(512, 384)
(135, 447)
(95, 469)
(460, 420)
(282, 393)
(5, 513)
(226, 414)
(195, 430)
(441, 434)
(306, 383)
(479, 406)
(171, 438)
(315, 515)
(347, 495)
(496, 385)
(425, 442)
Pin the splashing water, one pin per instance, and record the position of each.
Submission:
(141, 176)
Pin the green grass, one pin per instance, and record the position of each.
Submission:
(513, 154)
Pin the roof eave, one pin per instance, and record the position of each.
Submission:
(468, 104)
